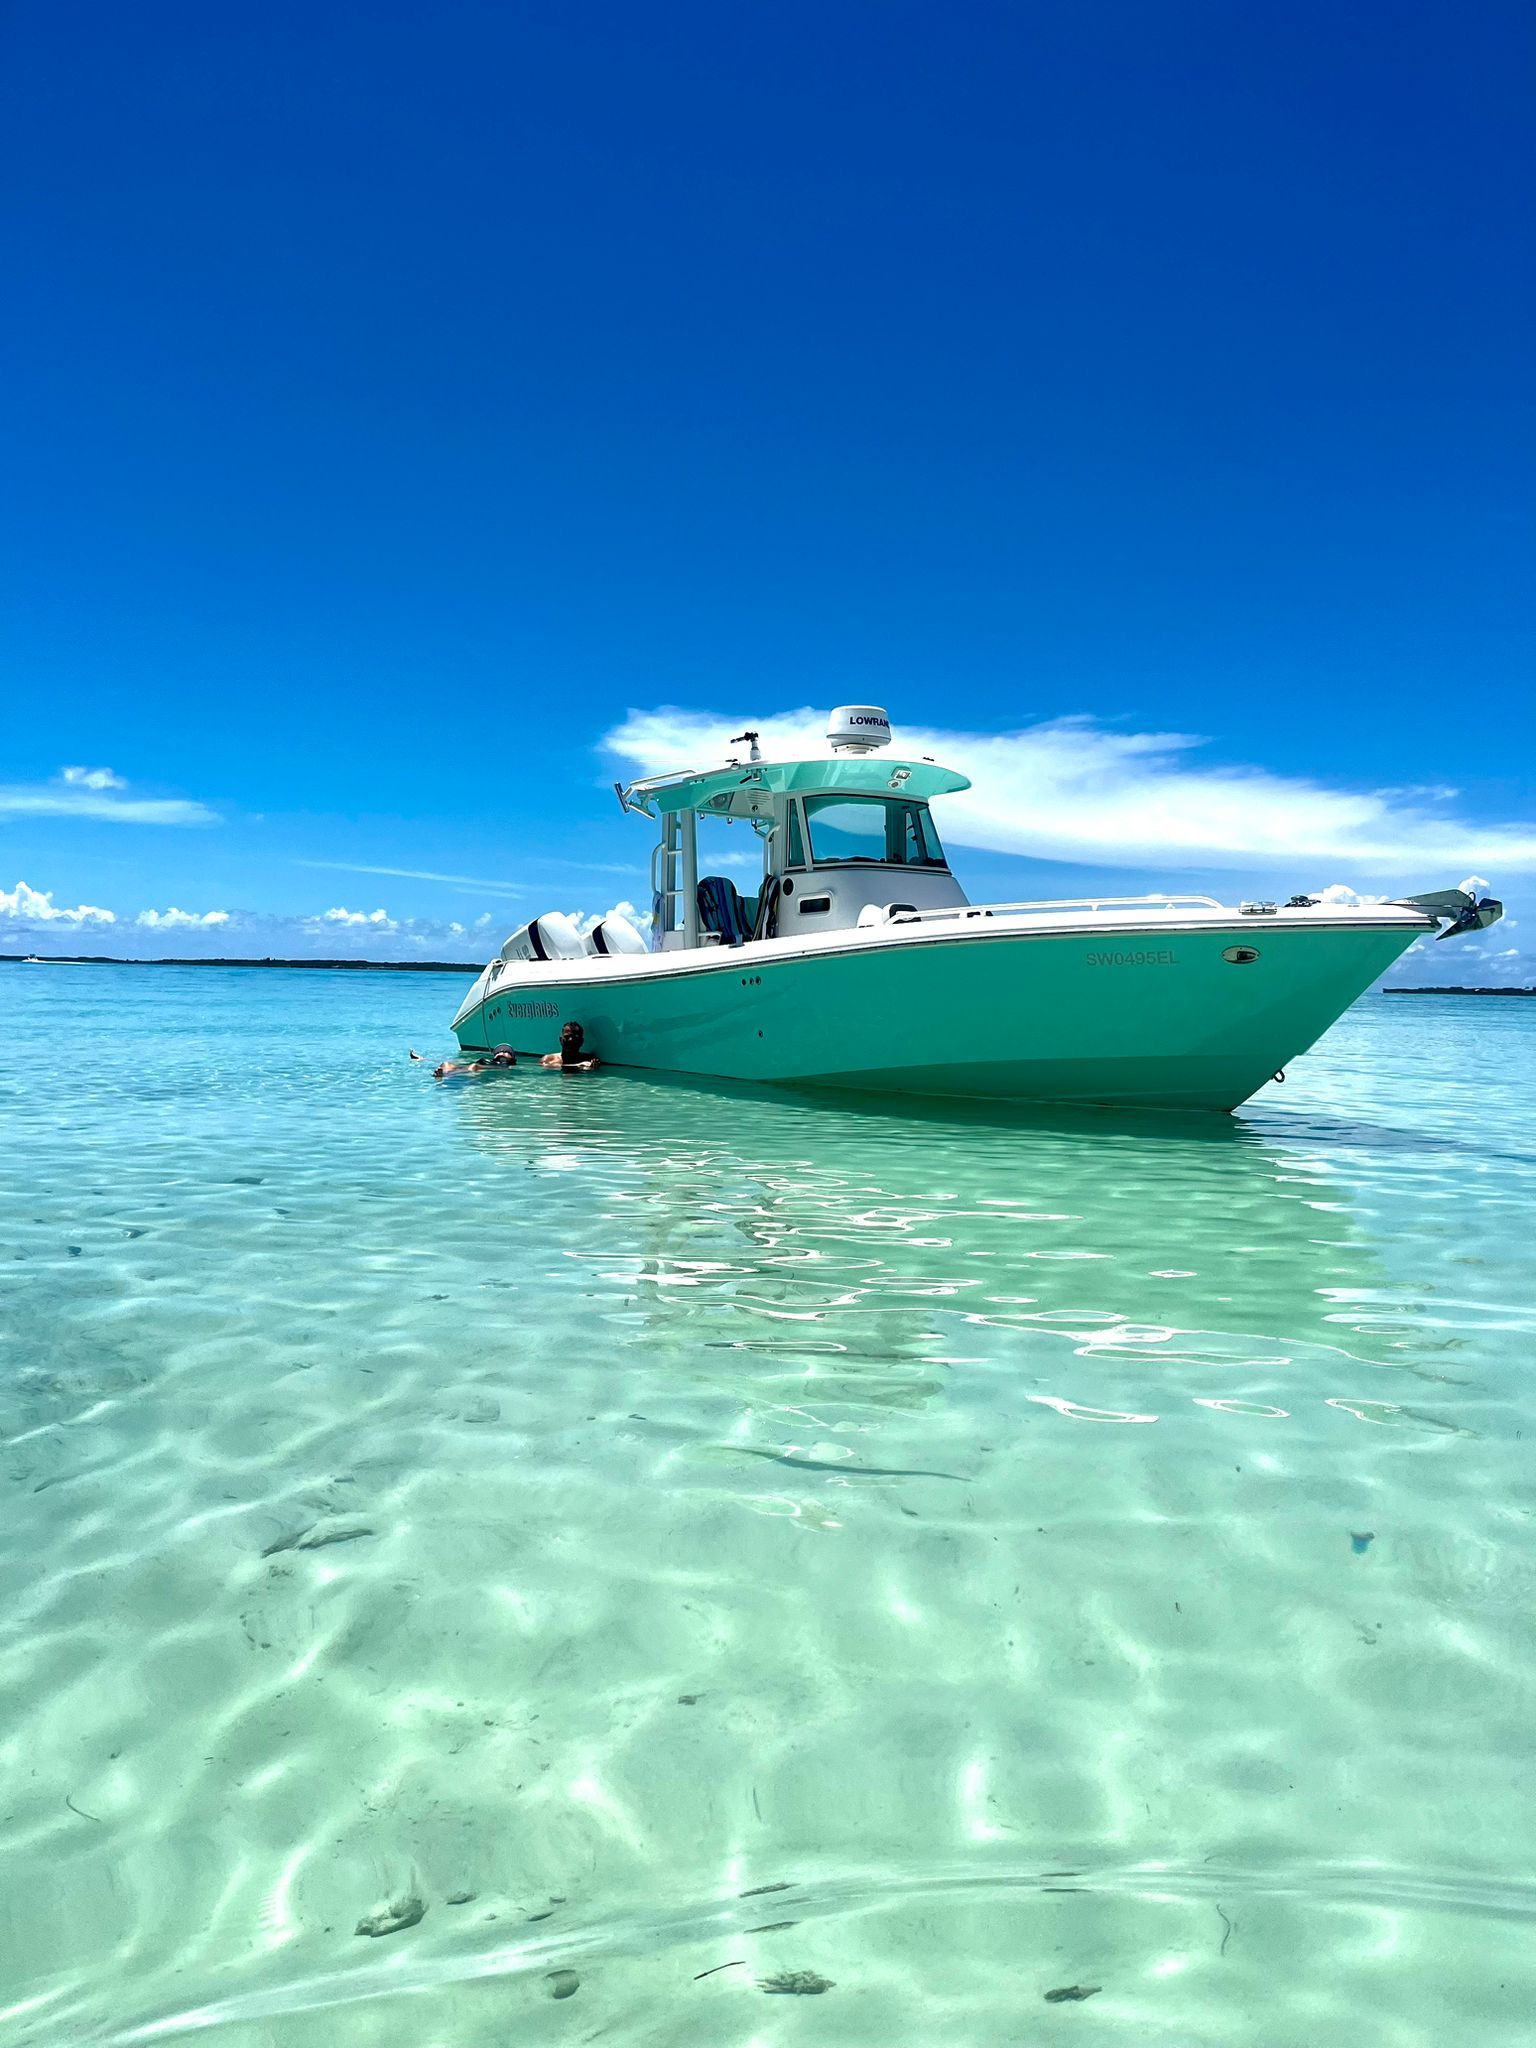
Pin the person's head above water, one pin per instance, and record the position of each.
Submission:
(573, 1057)
(503, 1056)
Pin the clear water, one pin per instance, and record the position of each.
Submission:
(959, 1558)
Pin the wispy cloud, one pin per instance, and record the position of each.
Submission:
(25, 907)
(1073, 790)
(96, 793)
(350, 867)
(590, 867)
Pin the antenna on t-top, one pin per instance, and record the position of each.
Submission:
(752, 737)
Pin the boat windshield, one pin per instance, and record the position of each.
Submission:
(883, 830)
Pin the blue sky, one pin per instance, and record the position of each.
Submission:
(405, 400)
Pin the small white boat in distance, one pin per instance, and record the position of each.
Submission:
(858, 961)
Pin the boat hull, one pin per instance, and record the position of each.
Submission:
(1155, 1018)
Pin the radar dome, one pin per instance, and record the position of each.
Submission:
(858, 729)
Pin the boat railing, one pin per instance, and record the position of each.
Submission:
(1160, 901)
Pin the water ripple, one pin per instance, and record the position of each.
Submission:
(1062, 1551)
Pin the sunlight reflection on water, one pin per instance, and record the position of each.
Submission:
(1057, 1550)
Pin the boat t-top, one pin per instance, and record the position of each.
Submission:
(857, 960)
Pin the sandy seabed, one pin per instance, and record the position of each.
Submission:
(709, 1566)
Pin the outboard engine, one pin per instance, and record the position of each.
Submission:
(551, 937)
(615, 934)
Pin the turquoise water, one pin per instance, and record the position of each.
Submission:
(954, 1559)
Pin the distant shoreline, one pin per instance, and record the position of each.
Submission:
(353, 966)
(1459, 991)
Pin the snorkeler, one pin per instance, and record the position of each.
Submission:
(466, 1070)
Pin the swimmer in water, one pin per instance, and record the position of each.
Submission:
(570, 1059)
(453, 1070)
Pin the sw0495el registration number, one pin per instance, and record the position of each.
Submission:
(1163, 957)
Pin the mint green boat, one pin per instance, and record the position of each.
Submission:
(858, 962)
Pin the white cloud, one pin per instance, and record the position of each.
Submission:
(584, 921)
(36, 906)
(335, 934)
(381, 919)
(92, 793)
(247, 934)
(1341, 893)
(1072, 790)
(166, 920)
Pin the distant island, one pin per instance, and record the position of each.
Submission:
(364, 966)
(1459, 991)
